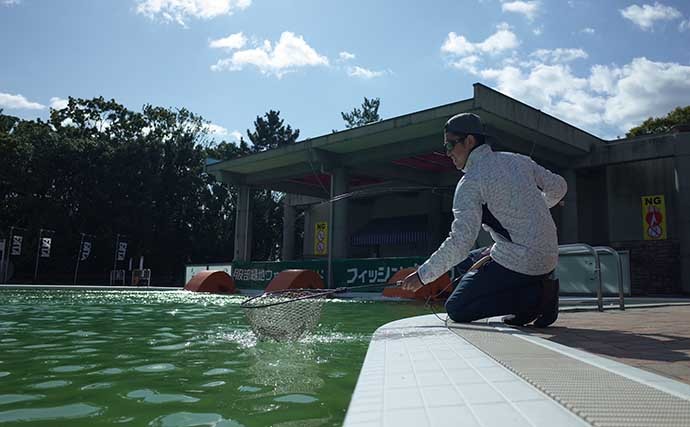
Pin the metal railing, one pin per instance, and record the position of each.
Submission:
(619, 263)
(583, 248)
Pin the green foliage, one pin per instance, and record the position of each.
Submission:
(661, 124)
(99, 168)
(369, 113)
(271, 132)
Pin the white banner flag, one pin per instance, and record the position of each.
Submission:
(85, 251)
(16, 245)
(45, 246)
(121, 251)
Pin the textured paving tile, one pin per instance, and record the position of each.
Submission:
(656, 339)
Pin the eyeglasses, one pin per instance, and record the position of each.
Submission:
(449, 144)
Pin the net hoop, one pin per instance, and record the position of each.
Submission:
(285, 296)
(285, 315)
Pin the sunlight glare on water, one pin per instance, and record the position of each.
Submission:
(174, 358)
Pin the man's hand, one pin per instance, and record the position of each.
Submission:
(411, 282)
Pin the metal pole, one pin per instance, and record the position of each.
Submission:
(2, 261)
(76, 268)
(38, 253)
(247, 228)
(9, 252)
(117, 244)
(330, 234)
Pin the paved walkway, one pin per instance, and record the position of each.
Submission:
(654, 339)
(421, 372)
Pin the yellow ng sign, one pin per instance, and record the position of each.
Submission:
(321, 238)
(654, 221)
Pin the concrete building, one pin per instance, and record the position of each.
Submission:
(391, 187)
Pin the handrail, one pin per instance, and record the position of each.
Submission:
(585, 248)
(621, 293)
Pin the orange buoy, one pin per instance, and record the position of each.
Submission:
(214, 281)
(295, 279)
(431, 289)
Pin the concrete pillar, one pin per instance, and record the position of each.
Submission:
(340, 231)
(681, 166)
(243, 225)
(308, 244)
(569, 212)
(288, 248)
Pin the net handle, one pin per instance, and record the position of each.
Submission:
(352, 288)
(316, 294)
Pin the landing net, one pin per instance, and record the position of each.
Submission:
(286, 315)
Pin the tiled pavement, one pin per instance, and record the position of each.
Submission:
(654, 339)
(418, 373)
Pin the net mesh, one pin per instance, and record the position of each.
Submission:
(284, 315)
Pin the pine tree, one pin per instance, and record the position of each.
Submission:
(369, 113)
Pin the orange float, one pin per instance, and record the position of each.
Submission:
(213, 281)
(437, 288)
(295, 279)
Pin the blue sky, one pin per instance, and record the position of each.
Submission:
(600, 65)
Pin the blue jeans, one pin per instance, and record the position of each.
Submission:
(492, 290)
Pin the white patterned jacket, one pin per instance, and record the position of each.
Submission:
(510, 196)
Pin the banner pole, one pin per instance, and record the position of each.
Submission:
(117, 244)
(38, 252)
(76, 268)
(9, 252)
(2, 260)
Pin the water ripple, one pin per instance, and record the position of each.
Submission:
(151, 396)
(51, 384)
(189, 419)
(219, 371)
(77, 410)
(156, 367)
(13, 398)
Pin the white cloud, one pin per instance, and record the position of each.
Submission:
(646, 88)
(684, 25)
(558, 55)
(58, 103)
(364, 73)
(588, 30)
(291, 52)
(233, 41)
(609, 98)
(18, 102)
(503, 39)
(644, 16)
(538, 31)
(603, 79)
(346, 56)
(216, 130)
(11, 2)
(527, 8)
(180, 10)
(236, 135)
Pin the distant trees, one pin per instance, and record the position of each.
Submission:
(369, 113)
(271, 132)
(661, 124)
(99, 168)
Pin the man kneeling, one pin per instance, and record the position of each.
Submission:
(509, 195)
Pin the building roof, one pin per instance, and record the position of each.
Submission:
(408, 148)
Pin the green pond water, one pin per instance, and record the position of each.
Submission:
(89, 358)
